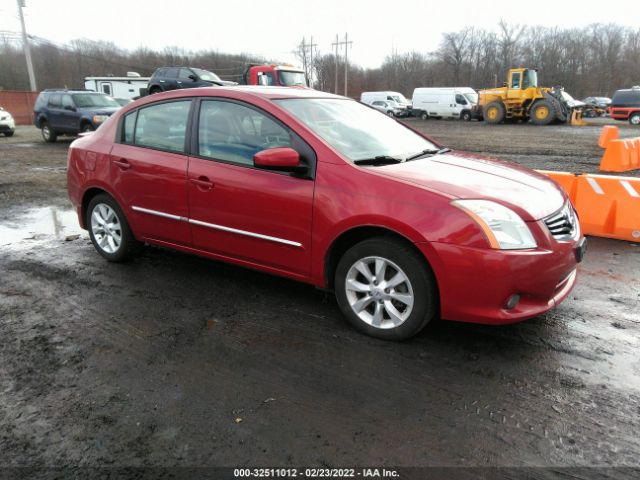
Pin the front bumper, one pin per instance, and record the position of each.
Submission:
(7, 127)
(476, 283)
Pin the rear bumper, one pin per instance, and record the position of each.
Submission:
(475, 284)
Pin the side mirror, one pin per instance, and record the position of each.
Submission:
(71, 108)
(283, 159)
(193, 77)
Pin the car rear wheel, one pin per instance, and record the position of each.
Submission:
(634, 119)
(47, 133)
(390, 113)
(385, 289)
(109, 230)
(424, 115)
(87, 127)
(154, 90)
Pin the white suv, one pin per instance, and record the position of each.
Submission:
(7, 124)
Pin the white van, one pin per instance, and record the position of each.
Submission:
(449, 102)
(396, 97)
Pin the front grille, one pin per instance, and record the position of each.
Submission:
(563, 224)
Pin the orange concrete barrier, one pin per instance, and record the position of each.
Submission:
(608, 133)
(608, 206)
(621, 155)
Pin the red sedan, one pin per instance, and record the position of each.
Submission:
(324, 190)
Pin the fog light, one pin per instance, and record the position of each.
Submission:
(512, 301)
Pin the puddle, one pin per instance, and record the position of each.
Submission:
(40, 224)
(19, 145)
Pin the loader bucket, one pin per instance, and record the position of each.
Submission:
(576, 118)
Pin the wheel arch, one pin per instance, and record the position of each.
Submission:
(354, 235)
(89, 194)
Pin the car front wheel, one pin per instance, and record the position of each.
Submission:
(634, 119)
(109, 230)
(386, 289)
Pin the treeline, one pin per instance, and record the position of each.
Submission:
(593, 60)
(58, 66)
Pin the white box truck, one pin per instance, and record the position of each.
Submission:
(445, 102)
(129, 87)
(395, 98)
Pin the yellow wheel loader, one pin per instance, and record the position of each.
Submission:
(522, 99)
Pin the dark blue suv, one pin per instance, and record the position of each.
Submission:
(69, 112)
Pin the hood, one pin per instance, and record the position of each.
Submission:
(468, 176)
(99, 110)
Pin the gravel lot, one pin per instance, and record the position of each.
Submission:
(173, 360)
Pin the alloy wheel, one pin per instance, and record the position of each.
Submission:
(379, 292)
(106, 228)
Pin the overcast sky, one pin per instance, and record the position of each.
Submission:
(272, 28)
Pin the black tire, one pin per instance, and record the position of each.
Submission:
(128, 246)
(542, 113)
(421, 282)
(390, 113)
(9, 134)
(154, 90)
(48, 135)
(634, 119)
(466, 116)
(494, 113)
(424, 116)
(86, 127)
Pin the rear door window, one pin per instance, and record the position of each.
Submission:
(162, 126)
(67, 101)
(55, 101)
(171, 73)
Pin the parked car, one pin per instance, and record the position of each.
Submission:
(390, 108)
(324, 190)
(69, 112)
(387, 96)
(603, 102)
(172, 78)
(7, 124)
(454, 102)
(625, 105)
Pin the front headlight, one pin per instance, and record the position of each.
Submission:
(100, 118)
(503, 227)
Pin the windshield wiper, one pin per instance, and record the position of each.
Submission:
(428, 151)
(379, 160)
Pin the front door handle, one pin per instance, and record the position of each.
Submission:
(202, 182)
(123, 163)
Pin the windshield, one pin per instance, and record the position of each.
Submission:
(291, 79)
(83, 100)
(356, 131)
(530, 79)
(472, 97)
(206, 75)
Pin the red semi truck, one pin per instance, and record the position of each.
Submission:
(274, 75)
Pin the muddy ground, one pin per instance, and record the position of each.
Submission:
(173, 360)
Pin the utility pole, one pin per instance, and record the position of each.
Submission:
(346, 61)
(346, 44)
(27, 50)
(336, 44)
(311, 47)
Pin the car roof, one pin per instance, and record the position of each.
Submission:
(275, 92)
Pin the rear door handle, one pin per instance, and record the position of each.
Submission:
(202, 182)
(123, 163)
